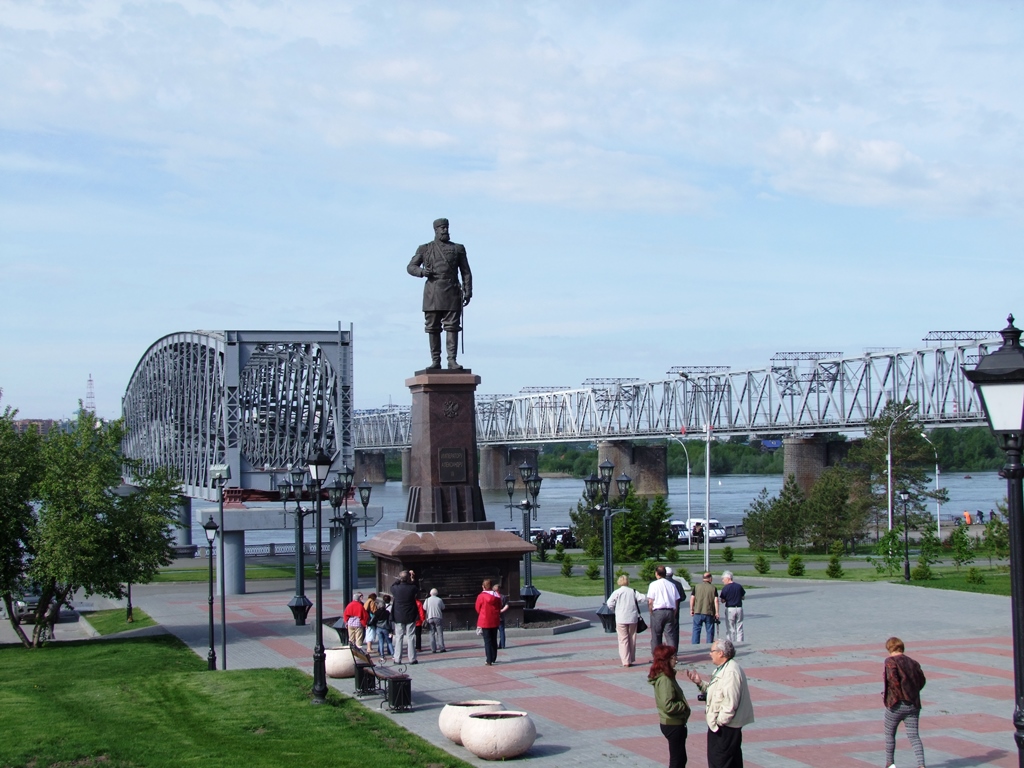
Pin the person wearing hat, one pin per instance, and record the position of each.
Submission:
(356, 619)
(442, 262)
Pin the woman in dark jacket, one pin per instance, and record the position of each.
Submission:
(903, 683)
(673, 711)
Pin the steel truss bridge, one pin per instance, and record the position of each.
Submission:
(258, 401)
(797, 393)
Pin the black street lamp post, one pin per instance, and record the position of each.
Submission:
(220, 474)
(338, 493)
(300, 604)
(999, 381)
(210, 528)
(599, 487)
(532, 481)
(319, 466)
(905, 497)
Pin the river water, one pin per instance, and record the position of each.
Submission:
(730, 496)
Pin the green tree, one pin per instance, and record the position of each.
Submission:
(889, 552)
(643, 530)
(961, 546)
(912, 457)
(835, 568)
(567, 566)
(85, 535)
(929, 548)
(829, 514)
(796, 566)
(19, 466)
(587, 528)
(757, 522)
(762, 564)
(997, 539)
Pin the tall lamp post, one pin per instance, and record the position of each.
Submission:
(938, 504)
(300, 604)
(888, 458)
(598, 493)
(210, 528)
(319, 466)
(532, 481)
(338, 493)
(999, 382)
(689, 538)
(707, 468)
(220, 474)
(905, 497)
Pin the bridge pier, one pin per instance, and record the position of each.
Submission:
(496, 461)
(807, 457)
(232, 570)
(647, 465)
(182, 532)
(339, 559)
(370, 466)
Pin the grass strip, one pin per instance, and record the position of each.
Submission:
(124, 703)
(112, 621)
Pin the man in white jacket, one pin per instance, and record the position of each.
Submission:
(728, 706)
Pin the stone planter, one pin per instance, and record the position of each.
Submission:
(454, 715)
(498, 735)
(339, 662)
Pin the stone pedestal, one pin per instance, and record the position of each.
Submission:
(446, 537)
(444, 481)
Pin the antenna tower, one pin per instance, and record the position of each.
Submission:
(90, 396)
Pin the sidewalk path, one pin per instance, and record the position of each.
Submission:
(813, 656)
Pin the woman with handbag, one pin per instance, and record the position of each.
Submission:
(628, 622)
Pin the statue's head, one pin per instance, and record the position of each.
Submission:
(441, 230)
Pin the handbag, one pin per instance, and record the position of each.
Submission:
(641, 625)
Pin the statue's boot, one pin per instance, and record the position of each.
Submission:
(435, 350)
(452, 344)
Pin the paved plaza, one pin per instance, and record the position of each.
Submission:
(813, 656)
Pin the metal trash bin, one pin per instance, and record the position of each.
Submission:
(364, 679)
(399, 693)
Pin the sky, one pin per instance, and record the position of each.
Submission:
(638, 185)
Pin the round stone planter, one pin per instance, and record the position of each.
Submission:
(498, 735)
(339, 662)
(454, 715)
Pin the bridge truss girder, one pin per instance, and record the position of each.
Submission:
(820, 395)
(258, 401)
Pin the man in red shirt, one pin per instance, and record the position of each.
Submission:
(356, 618)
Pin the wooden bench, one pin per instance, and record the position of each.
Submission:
(391, 683)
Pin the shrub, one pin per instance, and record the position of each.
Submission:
(567, 566)
(974, 576)
(921, 573)
(646, 572)
(672, 556)
(834, 569)
(761, 564)
(593, 572)
(684, 574)
(837, 549)
(783, 551)
(796, 566)
(727, 554)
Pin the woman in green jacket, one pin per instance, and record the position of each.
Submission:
(673, 711)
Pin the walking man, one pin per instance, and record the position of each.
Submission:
(731, 598)
(663, 602)
(704, 609)
(434, 607)
(681, 586)
(441, 262)
(404, 613)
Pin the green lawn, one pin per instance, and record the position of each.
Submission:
(151, 702)
(112, 621)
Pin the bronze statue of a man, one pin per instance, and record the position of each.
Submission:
(442, 262)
